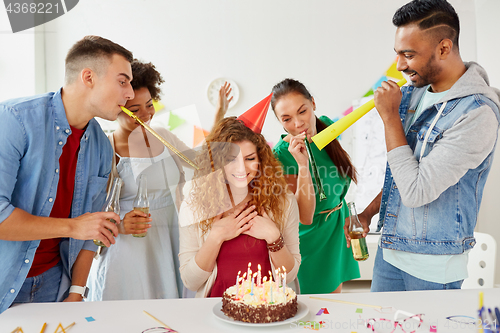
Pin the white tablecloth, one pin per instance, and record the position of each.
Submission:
(196, 315)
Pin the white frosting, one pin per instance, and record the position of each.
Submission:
(261, 294)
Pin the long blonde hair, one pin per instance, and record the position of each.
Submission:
(268, 189)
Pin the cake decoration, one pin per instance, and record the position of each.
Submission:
(254, 299)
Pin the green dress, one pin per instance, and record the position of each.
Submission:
(326, 260)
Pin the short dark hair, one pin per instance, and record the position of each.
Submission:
(92, 52)
(437, 14)
(146, 76)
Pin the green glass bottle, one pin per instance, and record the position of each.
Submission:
(358, 241)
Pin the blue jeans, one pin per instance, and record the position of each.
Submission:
(41, 288)
(386, 277)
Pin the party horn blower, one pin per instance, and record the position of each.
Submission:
(159, 137)
(322, 195)
(334, 130)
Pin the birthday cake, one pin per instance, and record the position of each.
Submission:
(259, 302)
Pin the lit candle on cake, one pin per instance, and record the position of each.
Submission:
(259, 277)
(270, 277)
(242, 289)
(271, 287)
(237, 283)
(249, 271)
(264, 294)
(253, 277)
(284, 280)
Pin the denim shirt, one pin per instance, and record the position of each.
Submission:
(446, 224)
(33, 132)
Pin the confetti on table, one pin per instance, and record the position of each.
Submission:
(359, 310)
(312, 325)
(89, 319)
(60, 326)
(322, 311)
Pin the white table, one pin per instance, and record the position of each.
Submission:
(196, 315)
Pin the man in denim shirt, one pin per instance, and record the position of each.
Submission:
(55, 161)
(440, 134)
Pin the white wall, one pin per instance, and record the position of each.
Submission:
(337, 48)
(17, 61)
(488, 30)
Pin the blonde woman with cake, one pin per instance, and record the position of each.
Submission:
(237, 212)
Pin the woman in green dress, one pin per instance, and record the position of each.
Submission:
(326, 260)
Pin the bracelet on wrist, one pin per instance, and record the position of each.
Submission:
(277, 244)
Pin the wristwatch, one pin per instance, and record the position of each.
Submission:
(84, 291)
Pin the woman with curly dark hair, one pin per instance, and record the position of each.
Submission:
(238, 211)
(142, 267)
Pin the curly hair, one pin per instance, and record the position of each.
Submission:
(145, 75)
(268, 189)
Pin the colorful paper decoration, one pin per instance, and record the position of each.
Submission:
(346, 112)
(368, 93)
(393, 72)
(175, 121)
(379, 82)
(312, 325)
(199, 135)
(254, 118)
(322, 311)
(158, 105)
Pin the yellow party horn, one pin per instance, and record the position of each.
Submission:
(159, 137)
(334, 130)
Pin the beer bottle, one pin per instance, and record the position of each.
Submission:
(141, 202)
(358, 241)
(112, 204)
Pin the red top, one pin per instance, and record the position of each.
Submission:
(47, 254)
(234, 256)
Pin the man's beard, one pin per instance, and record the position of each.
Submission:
(429, 76)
